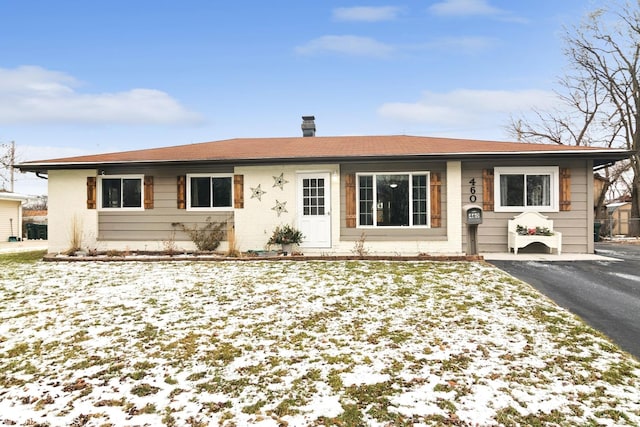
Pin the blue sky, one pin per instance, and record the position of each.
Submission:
(80, 77)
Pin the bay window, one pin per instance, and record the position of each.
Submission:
(393, 199)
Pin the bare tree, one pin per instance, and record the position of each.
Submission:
(7, 159)
(38, 203)
(583, 101)
(601, 94)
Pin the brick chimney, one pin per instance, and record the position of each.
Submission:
(308, 126)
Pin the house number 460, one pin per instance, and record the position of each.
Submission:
(472, 190)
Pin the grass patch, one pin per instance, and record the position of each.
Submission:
(28, 257)
(144, 390)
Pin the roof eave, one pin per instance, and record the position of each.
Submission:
(14, 197)
(600, 157)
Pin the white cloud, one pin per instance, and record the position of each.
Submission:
(365, 13)
(368, 47)
(459, 44)
(464, 107)
(31, 94)
(466, 43)
(463, 7)
(472, 8)
(347, 45)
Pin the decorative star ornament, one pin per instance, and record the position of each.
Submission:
(257, 192)
(280, 207)
(279, 181)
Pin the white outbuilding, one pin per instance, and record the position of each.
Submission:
(11, 216)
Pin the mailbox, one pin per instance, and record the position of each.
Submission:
(472, 214)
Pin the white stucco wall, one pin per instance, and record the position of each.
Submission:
(68, 208)
(255, 223)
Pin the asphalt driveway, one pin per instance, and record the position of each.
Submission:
(605, 294)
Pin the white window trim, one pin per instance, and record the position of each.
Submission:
(552, 171)
(120, 209)
(209, 175)
(392, 227)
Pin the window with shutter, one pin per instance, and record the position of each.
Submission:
(210, 192)
(527, 188)
(122, 192)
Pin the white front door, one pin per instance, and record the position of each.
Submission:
(314, 209)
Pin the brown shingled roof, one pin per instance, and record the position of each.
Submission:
(315, 148)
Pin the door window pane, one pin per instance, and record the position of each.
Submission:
(313, 202)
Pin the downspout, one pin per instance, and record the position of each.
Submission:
(590, 209)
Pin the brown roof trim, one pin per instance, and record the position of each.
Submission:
(324, 149)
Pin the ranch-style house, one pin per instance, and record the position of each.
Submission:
(403, 194)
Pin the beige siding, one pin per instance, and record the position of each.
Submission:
(156, 224)
(575, 225)
(394, 234)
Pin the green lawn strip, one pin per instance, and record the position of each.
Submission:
(27, 257)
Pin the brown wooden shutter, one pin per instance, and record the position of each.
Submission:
(91, 192)
(148, 192)
(487, 190)
(238, 191)
(436, 200)
(182, 192)
(350, 199)
(565, 189)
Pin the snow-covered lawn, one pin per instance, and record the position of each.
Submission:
(300, 344)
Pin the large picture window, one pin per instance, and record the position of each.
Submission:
(121, 192)
(526, 189)
(393, 199)
(209, 192)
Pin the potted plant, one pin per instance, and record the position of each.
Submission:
(287, 236)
